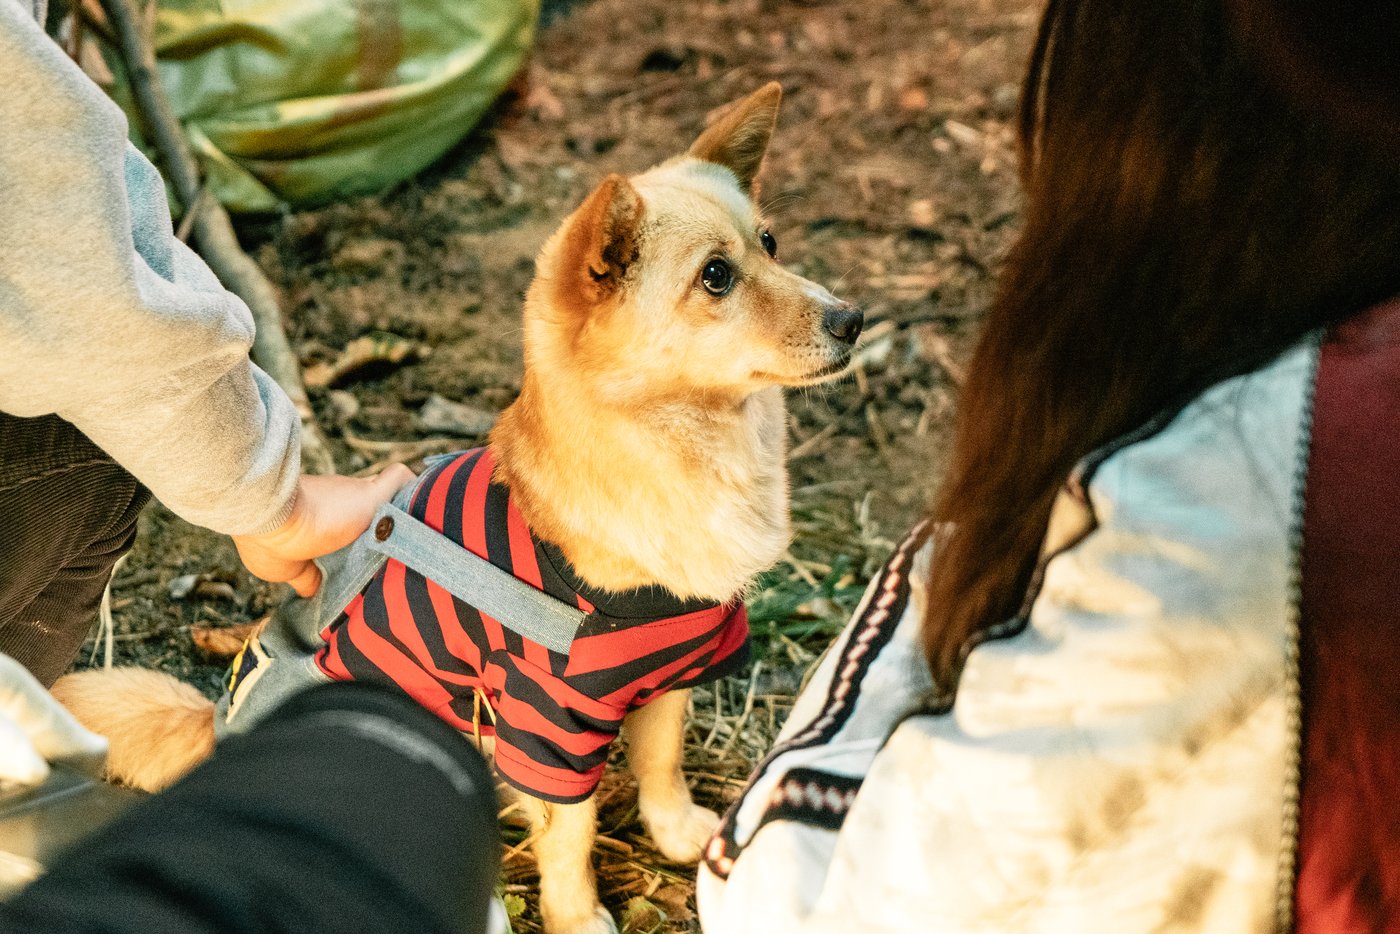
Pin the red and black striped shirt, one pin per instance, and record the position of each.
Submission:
(555, 715)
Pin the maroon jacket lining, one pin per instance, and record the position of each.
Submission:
(1349, 842)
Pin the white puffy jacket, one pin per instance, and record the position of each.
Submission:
(1124, 759)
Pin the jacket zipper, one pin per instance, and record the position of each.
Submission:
(1288, 851)
(1293, 700)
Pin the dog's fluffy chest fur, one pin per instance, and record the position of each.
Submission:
(691, 498)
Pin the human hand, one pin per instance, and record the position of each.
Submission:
(330, 513)
(35, 730)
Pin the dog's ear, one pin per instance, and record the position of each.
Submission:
(738, 139)
(601, 241)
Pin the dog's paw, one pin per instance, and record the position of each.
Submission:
(681, 835)
(600, 922)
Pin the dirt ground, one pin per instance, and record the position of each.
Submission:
(891, 180)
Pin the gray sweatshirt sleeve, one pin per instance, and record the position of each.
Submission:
(108, 321)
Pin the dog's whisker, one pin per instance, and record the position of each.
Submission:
(781, 201)
(841, 279)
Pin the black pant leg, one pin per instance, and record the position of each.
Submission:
(350, 810)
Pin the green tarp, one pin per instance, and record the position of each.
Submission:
(303, 101)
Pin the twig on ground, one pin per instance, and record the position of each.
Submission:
(806, 447)
(936, 405)
(878, 434)
(718, 719)
(74, 46)
(384, 453)
(182, 233)
(519, 848)
(748, 708)
(801, 568)
(796, 653)
(669, 874)
(616, 845)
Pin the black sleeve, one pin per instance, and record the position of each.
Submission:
(348, 810)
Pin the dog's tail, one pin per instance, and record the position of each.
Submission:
(157, 727)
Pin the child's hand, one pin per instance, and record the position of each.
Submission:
(330, 513)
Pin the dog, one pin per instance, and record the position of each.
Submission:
(644, 456)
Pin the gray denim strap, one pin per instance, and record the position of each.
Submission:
(499, 594)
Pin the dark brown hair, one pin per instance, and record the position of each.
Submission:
(1184, 221)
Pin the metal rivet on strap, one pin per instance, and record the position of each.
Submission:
(383, 528)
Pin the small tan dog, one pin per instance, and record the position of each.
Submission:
(647, 445)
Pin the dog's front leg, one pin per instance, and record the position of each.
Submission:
(564, 835)
(655, 735)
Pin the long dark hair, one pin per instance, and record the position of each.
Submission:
(1185, 220)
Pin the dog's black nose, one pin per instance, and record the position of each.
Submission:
(844, 322)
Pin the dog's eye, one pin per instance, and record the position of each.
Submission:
(717, 277)
(769, 243)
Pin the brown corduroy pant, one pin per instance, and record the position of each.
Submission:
(67, 514)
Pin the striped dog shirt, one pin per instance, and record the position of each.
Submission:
(554, 716)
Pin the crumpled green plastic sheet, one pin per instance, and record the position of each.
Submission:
(305, 101)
